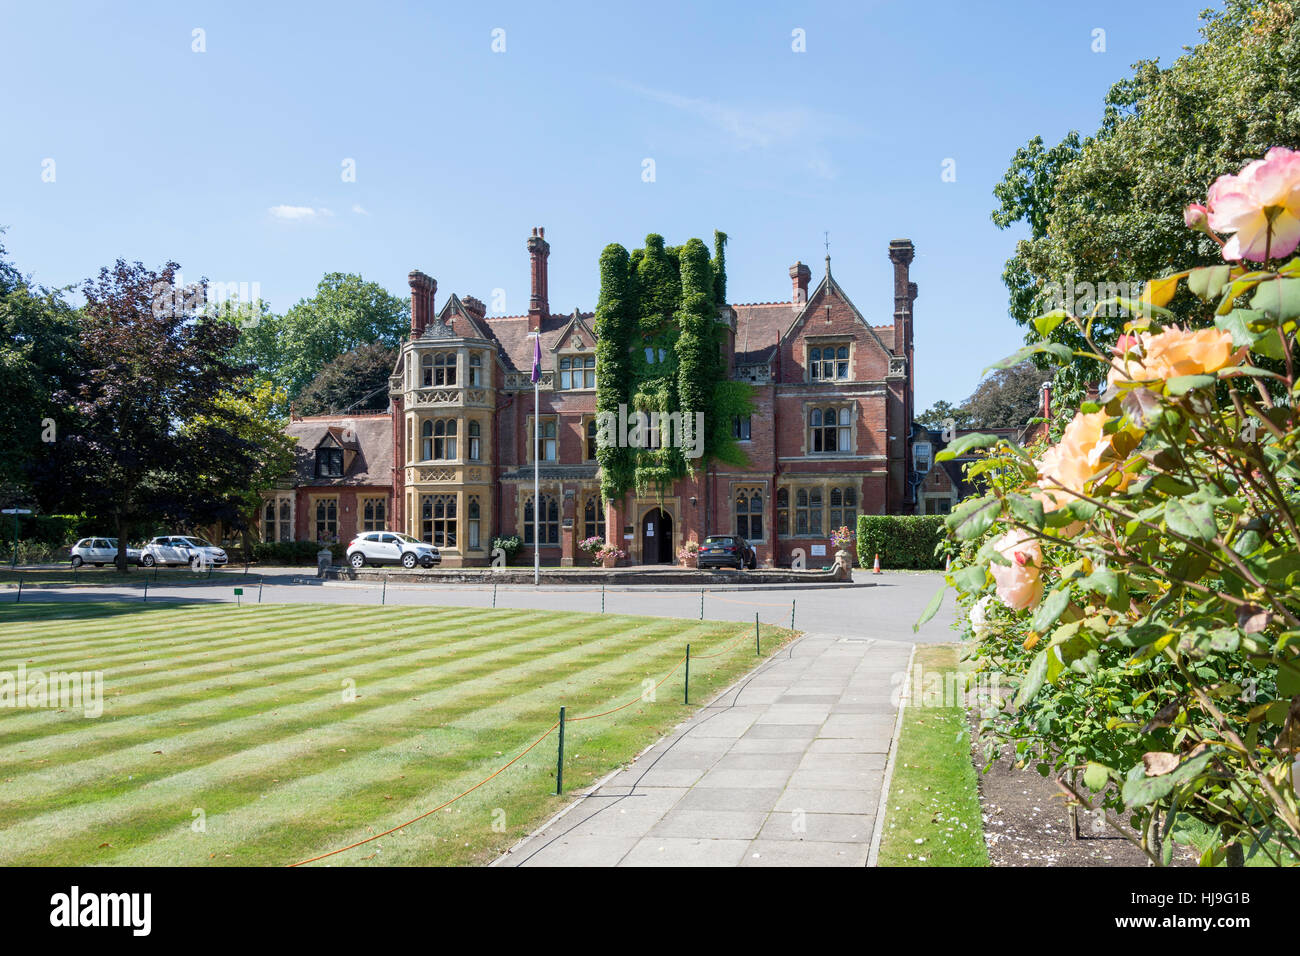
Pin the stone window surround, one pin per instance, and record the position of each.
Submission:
(825, 485)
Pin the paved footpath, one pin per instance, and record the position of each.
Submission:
(785, 768)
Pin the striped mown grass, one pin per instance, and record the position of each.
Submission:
(269, 734)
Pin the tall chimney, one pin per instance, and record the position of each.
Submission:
(799, 276)
(423, 288)
(538, 305)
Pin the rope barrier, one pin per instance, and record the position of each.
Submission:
(442, 806)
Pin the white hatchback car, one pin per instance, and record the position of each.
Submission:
(182, 549)
(391, 547)
(100, 551)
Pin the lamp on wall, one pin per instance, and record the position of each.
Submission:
(693, 501)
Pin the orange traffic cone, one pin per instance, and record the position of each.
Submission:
(875, 568)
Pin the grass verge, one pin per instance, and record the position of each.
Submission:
(933, 816)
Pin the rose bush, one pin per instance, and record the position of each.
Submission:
(1138, 580)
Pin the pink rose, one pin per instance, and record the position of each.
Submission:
(1261, 205)
(1019, 584)
(1195, 215)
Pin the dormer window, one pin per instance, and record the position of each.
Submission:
(329, 462)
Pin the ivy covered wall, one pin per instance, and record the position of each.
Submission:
(660, 350)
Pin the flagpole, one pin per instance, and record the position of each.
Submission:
(537, 489)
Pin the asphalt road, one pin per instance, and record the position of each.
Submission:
(886, 609)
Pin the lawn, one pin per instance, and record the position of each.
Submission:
(933, 815)
(268, 734)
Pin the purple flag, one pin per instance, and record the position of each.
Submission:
(537, 359)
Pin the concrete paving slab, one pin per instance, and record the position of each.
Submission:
(785, 768)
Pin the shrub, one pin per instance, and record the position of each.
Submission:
(1137, 581)
(510, 546)
(902, 541)
(292, 552)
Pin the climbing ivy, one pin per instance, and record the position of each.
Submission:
(659, 350)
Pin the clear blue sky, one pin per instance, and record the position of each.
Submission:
(161, 152)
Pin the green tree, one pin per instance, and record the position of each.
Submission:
(938, 415)
(37, 329)
(355, 378)
(345, 313)
(1108, 210)
(1008, 398)
(155, 433)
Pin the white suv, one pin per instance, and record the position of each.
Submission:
(391, 547)
(182, 549)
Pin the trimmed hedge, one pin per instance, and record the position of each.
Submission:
(902, 541)
(292, 552)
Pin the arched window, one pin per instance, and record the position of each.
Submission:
(593, 518)
(783, 511)
(426, 441)
(749, 513)
(828, 362)
(592, 444)
(548, 529)
(444, 368)
(327, 520)
(475, 513)
(438, 520)
(843, 507)
(426, 371)
(828, 430)
(444, 439)
(475, 369)
(475, 441)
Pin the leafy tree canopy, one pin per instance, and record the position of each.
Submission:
(1107, 209)
(355, 378)
(345, 313)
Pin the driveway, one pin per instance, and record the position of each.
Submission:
(885, 609)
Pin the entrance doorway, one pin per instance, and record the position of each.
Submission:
(657, 537)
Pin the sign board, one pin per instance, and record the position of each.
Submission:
(819, 550)
(650, 530)
(627, 537)
(238, 591)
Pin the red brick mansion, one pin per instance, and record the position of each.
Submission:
(451, 460)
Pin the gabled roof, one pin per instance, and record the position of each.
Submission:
(827, 286)
(510, 332)
(369, 436)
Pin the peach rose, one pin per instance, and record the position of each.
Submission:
(1176, 352)
(1072, 462)
(1261, 205)
(1172, 353)
(1019, 584)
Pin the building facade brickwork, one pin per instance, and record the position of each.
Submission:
(829, 436)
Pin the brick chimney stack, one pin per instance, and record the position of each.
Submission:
(901, 253)
(799, 276)
(423, 288)
(475, 307)
(538, 305)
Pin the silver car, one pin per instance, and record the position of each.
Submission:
(99, 552)
(182, 549)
